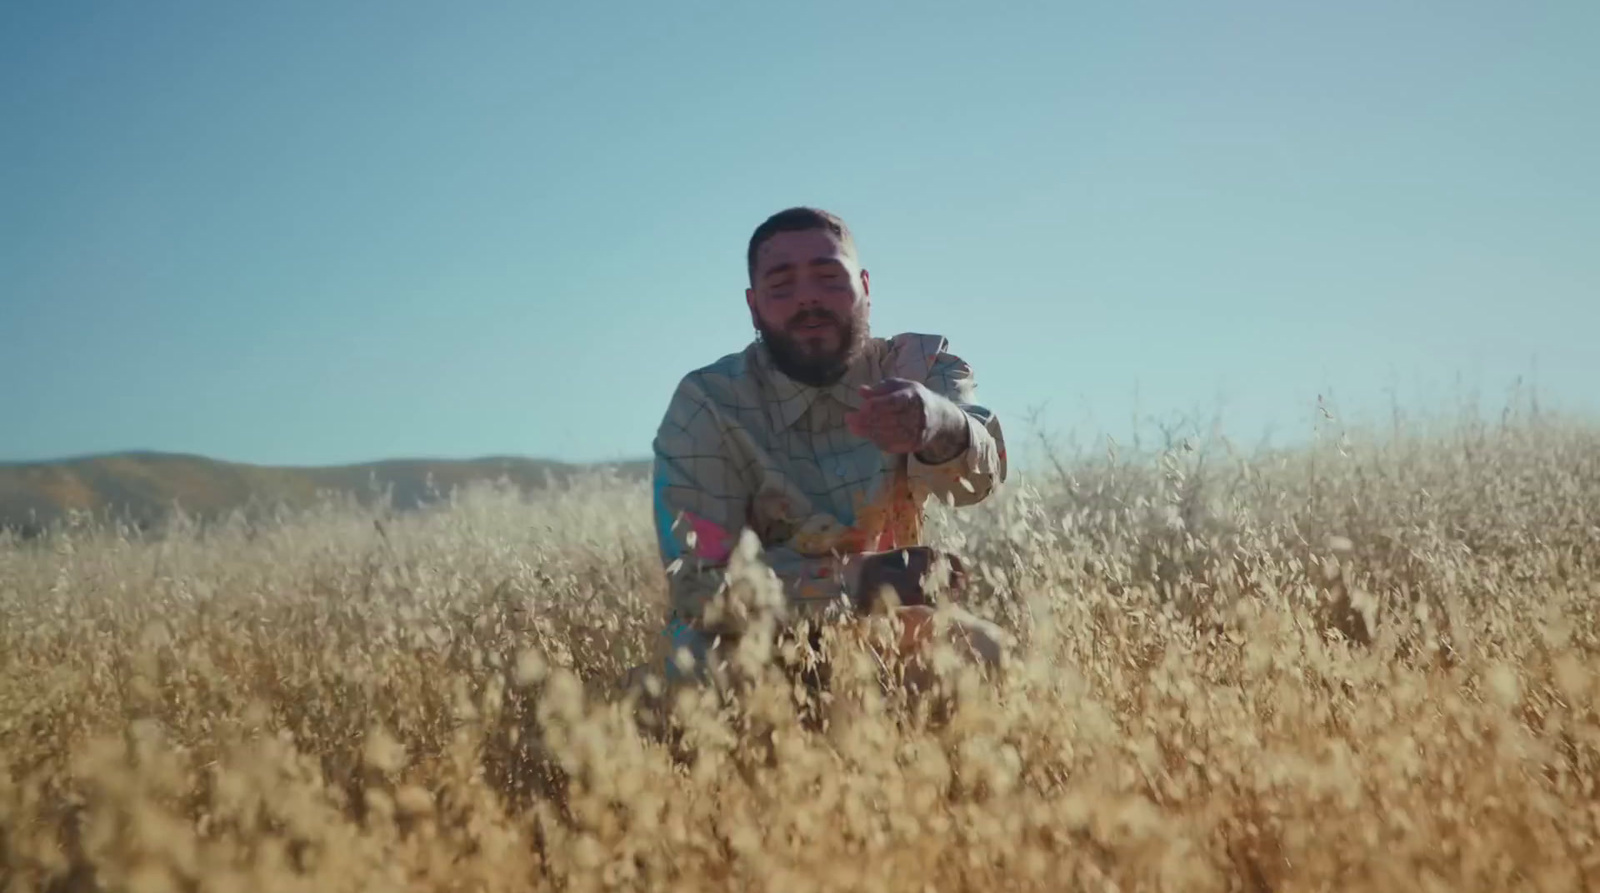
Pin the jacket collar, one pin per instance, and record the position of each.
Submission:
(789, 400)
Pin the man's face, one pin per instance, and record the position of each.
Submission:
(810, 303)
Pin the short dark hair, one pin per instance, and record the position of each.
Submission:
(792, 220)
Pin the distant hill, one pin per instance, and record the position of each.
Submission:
(144, 487)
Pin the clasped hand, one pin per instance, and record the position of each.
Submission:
(906, 572)
(902, 416)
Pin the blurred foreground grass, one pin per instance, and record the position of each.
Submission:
(1358, 665)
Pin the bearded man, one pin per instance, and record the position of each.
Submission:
(825, 442)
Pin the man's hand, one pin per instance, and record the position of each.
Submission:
(902, 416)
(905, 571)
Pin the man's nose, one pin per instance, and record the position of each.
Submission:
(811, 294)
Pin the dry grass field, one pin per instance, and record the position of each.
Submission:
(1365, 664)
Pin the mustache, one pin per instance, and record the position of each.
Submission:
(806, 317)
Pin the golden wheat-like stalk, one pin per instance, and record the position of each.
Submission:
(1359, 665)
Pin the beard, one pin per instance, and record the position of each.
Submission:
(795, 359)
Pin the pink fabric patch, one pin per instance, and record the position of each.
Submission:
(711, 542)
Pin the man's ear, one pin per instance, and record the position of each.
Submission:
(750, 301)
(866, 286)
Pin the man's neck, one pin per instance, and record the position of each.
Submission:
(853, 370)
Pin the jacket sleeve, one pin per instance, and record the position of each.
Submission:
(700, 510)
(971, 476)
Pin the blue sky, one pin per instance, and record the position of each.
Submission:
(326, 232)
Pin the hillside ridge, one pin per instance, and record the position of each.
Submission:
(143, 486)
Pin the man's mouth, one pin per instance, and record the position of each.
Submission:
(815, 325)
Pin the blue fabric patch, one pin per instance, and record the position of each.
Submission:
(682, 635)
(664, 518)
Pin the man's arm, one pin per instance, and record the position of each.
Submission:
(927, 412)
(700, 505)
(966, 457)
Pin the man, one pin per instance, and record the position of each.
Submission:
(822, 440)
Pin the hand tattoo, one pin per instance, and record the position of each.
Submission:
(949, 440)
(905, 417)
(900, 423)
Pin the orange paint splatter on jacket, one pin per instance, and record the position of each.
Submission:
(891, 521)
